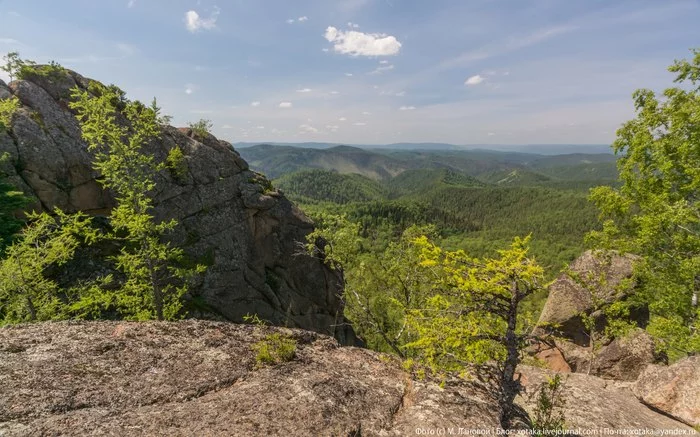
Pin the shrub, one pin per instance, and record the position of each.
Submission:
(201, 128)
(176, 163)
(549, 414)
(274, 349)
(8, 108)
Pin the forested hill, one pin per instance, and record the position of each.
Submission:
(489, 166)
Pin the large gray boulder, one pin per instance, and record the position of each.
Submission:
(568, 299)
(230, 218)
(200, 378)
(674, 389)
(593, 403)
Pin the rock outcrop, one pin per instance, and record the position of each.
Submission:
(621, 359)
(674, 389)
(198, 377)
(230, 218)
(201, 378)
(568, 299)
(593, 403)
(567, 347)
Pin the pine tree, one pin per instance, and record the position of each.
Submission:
(154, 281)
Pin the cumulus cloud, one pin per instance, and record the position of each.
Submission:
(353, 25)
(255, 103)
(300, 19)
(285, 104)
(194, 22)
(304, 90)
(290, 21)
(356, 43)
(474, 80)
(307, 129)
(407, 108)
(304, 18)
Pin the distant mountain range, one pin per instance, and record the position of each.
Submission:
(488, 166)
(542, 149)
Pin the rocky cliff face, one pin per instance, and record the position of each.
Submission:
(230, 217)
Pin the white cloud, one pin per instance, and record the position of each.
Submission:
(360, 124)
(474, 80)
(131, 4)
(227, 126)
(285, 104)
(491, 134)
(303, 18)
(255, 103)
(401, 94)
(290, 21)
(362, 44)
(332, 127)
(407, 108)
(382, 68)
(190, 88)
(334, 92)
(366, 113)
(348, 74)
(353, 25)
(260, 127)
(342, 119)
(305, 128)
(383, 61)
(195, 23)
(304, 90)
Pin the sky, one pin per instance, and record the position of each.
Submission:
(370, 71)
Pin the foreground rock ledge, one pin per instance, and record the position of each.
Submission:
(199, 378)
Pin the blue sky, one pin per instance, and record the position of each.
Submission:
(370, 71)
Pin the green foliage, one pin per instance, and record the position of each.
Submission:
(11, 200)
(177, 164)
(656, 211)
(322, 185)
(441, 310)
(155, 280)
(274, 348)
(201, 128)
(52, 71)
(8, 108)
(13, 65)
(26, 292)
(549, 414)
